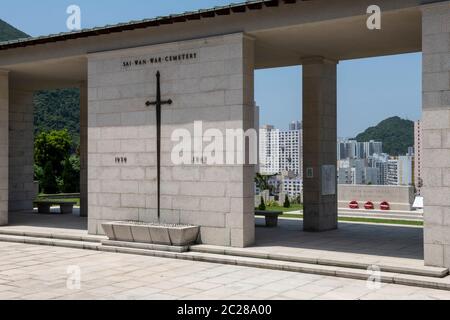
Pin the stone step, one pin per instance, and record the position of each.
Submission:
(50, 235)
(326, 270)
(76, 244)
(147, 246)
(407, 270)
(401, 269)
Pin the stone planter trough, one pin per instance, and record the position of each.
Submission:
(164, 234)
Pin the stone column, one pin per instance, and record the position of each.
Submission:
(241, 220)
(83, 151)
(21, 145)
(436, 132)
(319, 144)
(4, 107)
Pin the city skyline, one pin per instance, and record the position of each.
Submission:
(367, 88)
(358, 162)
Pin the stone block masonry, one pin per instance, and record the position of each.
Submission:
(4, 139)
(436, 132)
(319, 143)
(213, 85)
(21, 148)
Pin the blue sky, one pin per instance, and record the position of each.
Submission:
(369, 90)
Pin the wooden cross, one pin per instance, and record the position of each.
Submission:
(158, 103)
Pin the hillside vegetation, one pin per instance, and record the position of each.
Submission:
(55, 109)
(396, 134)
(8, 32)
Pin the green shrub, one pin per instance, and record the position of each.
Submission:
(262, 205)
(287, 203)
(272, 203)
(71, 175)
(48, 182)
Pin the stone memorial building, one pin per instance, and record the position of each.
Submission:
(206, 61)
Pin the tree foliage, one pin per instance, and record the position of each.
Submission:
(396, 134)
(262, 205)
(262, 182)
(48, 183)
(287, 203)
(52, 147)
(58, 110)
(71, 175)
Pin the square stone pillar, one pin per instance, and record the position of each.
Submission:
(319, 144)
(83, 151)
(436, 132)
(21, 150)
(4, 123)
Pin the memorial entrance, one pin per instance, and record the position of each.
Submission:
(141, 169)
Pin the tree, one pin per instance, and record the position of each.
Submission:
(287, 203)
(71, 175)
(53, 146)
(262, 205)
(262, 182)
(48, 182)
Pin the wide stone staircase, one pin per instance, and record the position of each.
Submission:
(427, 277)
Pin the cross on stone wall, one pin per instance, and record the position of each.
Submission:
(158, 103)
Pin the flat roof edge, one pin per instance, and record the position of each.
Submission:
(147, 23)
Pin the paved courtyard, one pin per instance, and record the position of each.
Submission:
(40, 272)
(351, 241)
(365, 243)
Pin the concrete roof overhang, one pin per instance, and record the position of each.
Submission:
(284, 32)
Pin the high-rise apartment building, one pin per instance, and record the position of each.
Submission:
(269, 156)
(357, 171)
(370, 148)
(400, 171)
(358, 150)
(281, 150)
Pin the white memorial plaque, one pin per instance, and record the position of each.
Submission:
(328, 180)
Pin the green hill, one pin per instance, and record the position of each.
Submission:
(396, 134)
(8, 32)
(55, 109)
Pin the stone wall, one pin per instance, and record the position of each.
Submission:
(215, 87)
(83, 151)
(436, 132)
(319, 144)
(399, 197)
(4, 107)
(21, 143)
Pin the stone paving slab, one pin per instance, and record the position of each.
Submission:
(110, 276)
(240, 260)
